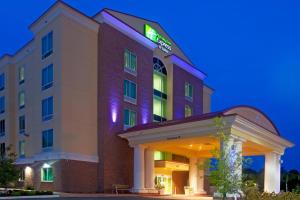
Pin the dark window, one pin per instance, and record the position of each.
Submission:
(2, 127)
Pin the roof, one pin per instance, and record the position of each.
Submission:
(250, 113)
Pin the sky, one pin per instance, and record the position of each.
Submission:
(250, 49)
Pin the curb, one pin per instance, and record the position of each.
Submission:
(31, 197)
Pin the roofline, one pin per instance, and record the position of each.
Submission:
(65, 4)
(152, 22)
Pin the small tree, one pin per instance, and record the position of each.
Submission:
(226, 165)
(9, 173)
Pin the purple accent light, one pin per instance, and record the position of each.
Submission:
(127, 30)
(187, 67)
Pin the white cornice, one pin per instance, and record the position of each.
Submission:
(57, 156)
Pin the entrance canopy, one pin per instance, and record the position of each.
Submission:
(196, 136)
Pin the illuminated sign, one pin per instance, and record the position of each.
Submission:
(163, 43)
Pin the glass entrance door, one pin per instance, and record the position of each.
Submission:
(166, 181)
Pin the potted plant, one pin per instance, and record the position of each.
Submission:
(160, 188)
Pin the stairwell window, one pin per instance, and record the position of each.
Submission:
(22, 124)
(130, 62)
(188, 111)
(21, 75)
(21, 100)
(47, 45)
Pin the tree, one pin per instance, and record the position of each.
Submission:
(226, 166)
(8, 170)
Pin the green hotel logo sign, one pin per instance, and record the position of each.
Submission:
(163, 43)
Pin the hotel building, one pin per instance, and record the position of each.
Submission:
(112, 99)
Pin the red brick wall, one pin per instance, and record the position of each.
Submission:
(179, 78)
(69, 176)
(115, 155)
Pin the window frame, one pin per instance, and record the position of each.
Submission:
(48, 83)
(188, 107)
(130, 113)
(48, 145)
(21, 93)
(127, 96)
(189, 91)
(45, 169)
(2, 103)
(2, 127)
(22, 131)
(128, 65)
(48, 113)
(47, 50)
(21, 73)
(2, 81)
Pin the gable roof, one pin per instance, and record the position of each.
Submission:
(138, 24)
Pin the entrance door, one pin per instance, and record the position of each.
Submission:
(166, 181)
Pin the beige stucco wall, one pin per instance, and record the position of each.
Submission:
(207, 92)
(8, 68)
(74, 90)
(78, 88)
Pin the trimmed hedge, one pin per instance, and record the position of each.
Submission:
(25, 193)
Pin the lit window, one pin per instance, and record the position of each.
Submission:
(130, 62)
(2, 82)
(47, 45)
(129, 118)
(47, 139)
(2, 104)
(21, 100)
(47, 109)
(159, 91)
(47, 77)
(188, 91)
(47, 174)
(22, 149)
(187, 111)
(130, 91)
(2, 128)
(2, 149)
(21, 75)
(22, 124)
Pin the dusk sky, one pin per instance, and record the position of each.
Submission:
(250, 49)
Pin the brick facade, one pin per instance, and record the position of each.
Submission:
(179, 78)
(115, 155)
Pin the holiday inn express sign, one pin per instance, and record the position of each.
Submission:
(163, 43)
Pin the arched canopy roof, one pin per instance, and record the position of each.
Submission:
(253, 115)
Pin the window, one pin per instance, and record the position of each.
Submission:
(47, 45)
(47, 139)
(21, 75)
(47, 77)
(21, 100)
(22, 124)
(2, 82)
(130, 91)
(2, 104)
(159, 90)
(2, 127)
(188, 111)
(130, 62)
(22, 149)
(129, 118)
(22, 175)
(2, 149)
(188, 91)
(47, 109)
(47, 174)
